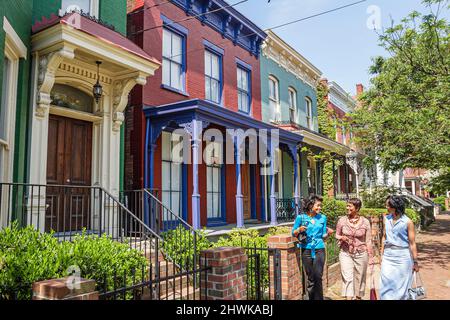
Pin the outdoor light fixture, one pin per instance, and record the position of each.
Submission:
(98, 89)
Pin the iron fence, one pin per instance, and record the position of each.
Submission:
(68, 211)
(285, 209)
(164, 281)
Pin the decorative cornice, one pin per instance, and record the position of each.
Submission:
(285, 56)
(229, 22)
(341, 99)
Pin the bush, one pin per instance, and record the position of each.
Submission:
(440, 201)
(178, 244)
(333, 209)
(376, 198)
(28, 256)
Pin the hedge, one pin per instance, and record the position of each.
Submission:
(28, 256)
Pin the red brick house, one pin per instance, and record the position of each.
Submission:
(210, 73)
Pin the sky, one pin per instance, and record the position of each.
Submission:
(340, 43)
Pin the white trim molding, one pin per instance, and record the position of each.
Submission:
(285, 56)
(340, 98)
(15, 42)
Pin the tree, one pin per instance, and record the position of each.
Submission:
(404, 117)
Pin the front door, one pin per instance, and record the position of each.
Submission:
(246, 190)
(69, 161)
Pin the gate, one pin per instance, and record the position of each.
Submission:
(263, 273)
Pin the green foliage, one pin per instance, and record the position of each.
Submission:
(403, 118)
(441, 183)
(326, 116)
(178, 244)
(27, 256)
(440, 201)
(376, 198)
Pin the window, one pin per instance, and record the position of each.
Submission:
(214, 181)
(5, 98)
(243, 83)
(171, 173)
(274, 99)
(213, 86)
(76, 5)
(292, 105)
(69, 97)
(344, 135)
(173, 56)
(309, 119)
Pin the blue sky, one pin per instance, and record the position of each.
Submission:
(339, 43)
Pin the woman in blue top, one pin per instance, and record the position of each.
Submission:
(398, 251)
(314, 224)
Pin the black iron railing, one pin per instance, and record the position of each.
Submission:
(285, 210)
(180, 240)
(167, 282)
(69, 210)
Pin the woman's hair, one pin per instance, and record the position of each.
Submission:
(308, 203)
(356, 203)
(397, 203)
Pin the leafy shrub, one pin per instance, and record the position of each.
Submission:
(377, 197)
(333, 209)
(27, 256)
(273, 231)
(440, 201)
(178, 244)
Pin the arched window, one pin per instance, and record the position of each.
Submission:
(309, 115)
(65, 96)
(292, 105)
(274, 99)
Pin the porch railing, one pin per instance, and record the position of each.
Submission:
(182, 240)
(68, 211)
(285, 210)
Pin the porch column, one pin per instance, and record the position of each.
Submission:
(334, 179)
(239, 196)
(296, 183)
(196, 143)
(273, 197)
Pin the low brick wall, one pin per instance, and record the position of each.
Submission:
(58, 289)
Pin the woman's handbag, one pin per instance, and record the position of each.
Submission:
(302, 235)
(417, 291)
(373, 291)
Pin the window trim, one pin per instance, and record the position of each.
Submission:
(173, 28)
(249, 92)
(13, 52)
(310, 123)
(294, 107)
(220, 56)
(277, 96)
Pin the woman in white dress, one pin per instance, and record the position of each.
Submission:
(398, 251)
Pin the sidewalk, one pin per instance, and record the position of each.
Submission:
(434, 260)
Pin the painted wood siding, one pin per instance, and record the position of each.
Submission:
(286, 80)
(19, 15)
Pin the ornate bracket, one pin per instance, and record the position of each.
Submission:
(122, 89)
(48, 65)
(237, 32)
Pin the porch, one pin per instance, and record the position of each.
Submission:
(203, 158)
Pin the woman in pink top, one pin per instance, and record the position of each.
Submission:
(355, 239)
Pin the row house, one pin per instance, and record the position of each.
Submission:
(289, 101)
(66, 69)
(209, 84)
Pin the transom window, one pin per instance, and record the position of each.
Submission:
(173, 72)
(309, 118)
(274, 99)
(76, 5)
(243, 83)
(214, 180)
(292, 105)
(69, 97)
(212, 77)
(171, 173)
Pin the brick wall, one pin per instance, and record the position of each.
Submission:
(153, 95)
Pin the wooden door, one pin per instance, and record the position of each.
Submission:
(246, 190)
(69, 160)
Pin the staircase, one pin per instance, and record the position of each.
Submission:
(171, 280)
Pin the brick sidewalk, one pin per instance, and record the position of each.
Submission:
(434, 259)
